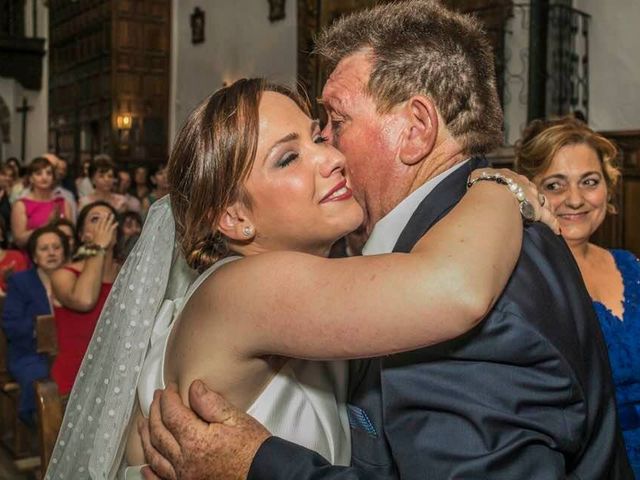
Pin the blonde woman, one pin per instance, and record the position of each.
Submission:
(573, 167)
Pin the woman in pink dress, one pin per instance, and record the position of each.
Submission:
(40, 205)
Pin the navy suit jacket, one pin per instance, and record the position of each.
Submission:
(525, 395)
(26, 298)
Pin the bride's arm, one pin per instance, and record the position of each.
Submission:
(299, 305)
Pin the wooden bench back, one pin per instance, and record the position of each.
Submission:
(46, 336)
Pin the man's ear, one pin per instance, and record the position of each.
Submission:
(235, 222)
(421, 131)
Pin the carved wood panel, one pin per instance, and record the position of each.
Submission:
(109, 57)
(623, 230)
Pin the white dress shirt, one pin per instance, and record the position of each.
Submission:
(386, 232)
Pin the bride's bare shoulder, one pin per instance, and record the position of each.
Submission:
(253, 271)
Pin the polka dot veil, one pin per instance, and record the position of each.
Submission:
(93, 433)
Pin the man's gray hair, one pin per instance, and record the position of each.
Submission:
(420, 47)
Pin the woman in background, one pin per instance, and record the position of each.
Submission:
(40, 206)
(67, 227)
(19, 182)
(29, 295)
(103, 177)
(7, 177)
(83, 182)
(572, 166)
(160, 182)
(140, 182)
(81, 288)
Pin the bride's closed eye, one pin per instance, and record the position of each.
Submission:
(286, 159)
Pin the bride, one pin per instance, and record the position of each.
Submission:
(258, 197)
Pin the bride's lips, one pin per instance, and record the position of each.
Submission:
(338, 193)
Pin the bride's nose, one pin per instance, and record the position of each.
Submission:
(332, 161)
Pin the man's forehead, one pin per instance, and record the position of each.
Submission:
(350, 76)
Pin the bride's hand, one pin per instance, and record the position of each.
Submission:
(537, 200)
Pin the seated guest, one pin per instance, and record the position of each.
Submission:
(124, 188)
(10, 260)
(60, 169)
(141, 182)
(83, 182)
(29, 295)
(81, 287)
(103, 177)
(40, 205)
(20, 179)
(6, 182)
(160, 182)
(67, 227)
(64, 180)
(572, 166)
(14, 164)
(129, 229)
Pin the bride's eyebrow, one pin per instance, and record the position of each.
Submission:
(287, 138)
(291, 136)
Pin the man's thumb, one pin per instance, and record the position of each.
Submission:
(208, 405)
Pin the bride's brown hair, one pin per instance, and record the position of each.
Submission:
(210, 161)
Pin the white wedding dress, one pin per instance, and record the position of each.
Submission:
(305, 401)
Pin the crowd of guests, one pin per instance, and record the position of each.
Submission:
(62, 242)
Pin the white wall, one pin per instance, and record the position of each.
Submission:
(516, 75)
(614, 63)
(13, 93)
(240, 41)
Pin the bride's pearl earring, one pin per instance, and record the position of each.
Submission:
(248, 231)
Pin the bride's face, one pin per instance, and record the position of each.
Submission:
(301, 199)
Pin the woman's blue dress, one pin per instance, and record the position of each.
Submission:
(623, 341)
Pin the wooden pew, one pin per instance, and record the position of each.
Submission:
(49, 403)
(31, 453)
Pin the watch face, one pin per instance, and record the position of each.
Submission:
(527, 211)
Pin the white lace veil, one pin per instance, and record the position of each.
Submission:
(93, 433)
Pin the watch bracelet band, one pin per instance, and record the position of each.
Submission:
(526, 209)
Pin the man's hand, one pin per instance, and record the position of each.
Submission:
(214, 441)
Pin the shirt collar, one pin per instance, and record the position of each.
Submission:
(386, 232)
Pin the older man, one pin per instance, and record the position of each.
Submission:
(411, 103)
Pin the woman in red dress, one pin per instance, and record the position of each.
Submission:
(81, 288)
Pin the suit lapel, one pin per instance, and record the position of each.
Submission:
(436, 205)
